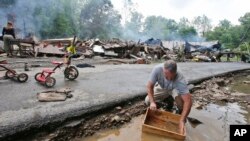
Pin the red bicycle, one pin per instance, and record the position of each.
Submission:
(12, 74)
(45, 78)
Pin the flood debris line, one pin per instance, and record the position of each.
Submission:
(54, 95)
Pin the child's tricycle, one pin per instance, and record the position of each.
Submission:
(12, 74)
(45, 78)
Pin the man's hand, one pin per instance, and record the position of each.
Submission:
(181, 127)
(153, 106)
(150, 89)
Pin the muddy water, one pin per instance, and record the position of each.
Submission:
(240, 86)
(216, 120)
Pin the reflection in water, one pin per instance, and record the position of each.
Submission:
(216, 120)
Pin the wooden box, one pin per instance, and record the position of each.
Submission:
(162, 123)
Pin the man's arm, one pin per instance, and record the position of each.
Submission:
(187, 104)
(150, 87)
(150, 90)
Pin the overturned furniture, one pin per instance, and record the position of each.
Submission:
(162, 123)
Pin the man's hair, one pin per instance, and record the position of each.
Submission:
(171, 66)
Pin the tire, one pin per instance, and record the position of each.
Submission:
(71, 73)
(22, 77)
(9, 74)
(50, 82)
(38, 75)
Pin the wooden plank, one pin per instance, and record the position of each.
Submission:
(164, 115)
(163, 124)
(145, 118)
(158, 131)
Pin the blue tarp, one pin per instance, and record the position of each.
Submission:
(154, 42)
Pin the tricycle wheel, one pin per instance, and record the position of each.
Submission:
(37, 76)
(71, 73)
(22, 77)
(10, 73)
(50, 82)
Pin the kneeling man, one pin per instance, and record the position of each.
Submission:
(165, 81)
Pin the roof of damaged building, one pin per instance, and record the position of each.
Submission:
(172, 44)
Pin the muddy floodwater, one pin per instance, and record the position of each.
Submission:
(240, 86)
(216, 120)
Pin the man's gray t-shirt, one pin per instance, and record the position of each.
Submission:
(179, 83)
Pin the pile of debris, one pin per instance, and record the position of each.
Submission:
(217, 90)
(143, 52)
(115, 48)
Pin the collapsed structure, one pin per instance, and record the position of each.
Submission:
(143, 52)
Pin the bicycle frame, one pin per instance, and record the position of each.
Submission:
(45, 74)
(7, 69)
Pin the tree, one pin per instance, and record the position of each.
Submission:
(56, 19)
(98, 19)
(187, 33)
(202, 24)
(128, 10)
(225, 24)
(245, 22)
(133, 27)
(227, 34)
(185, 30)
(160, 27)
(184, 22)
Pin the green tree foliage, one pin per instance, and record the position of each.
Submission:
(232, 36)
(56, 20)
(160, 27)
(245, 22)
(185, 30)
(98, 19)
(133, 27)
(202, 24)
(84, 18)
(187, 33)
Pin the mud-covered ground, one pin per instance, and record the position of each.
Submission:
(226, 89)
(230, 88)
